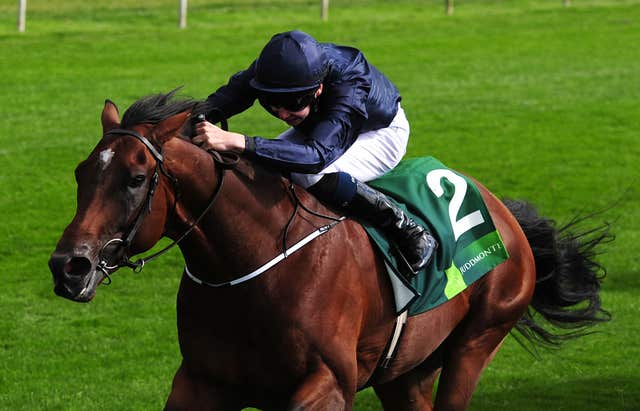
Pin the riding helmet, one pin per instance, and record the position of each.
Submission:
(291, 62)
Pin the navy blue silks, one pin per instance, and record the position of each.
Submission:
(356, 98)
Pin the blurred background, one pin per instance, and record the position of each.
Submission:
(537, 99)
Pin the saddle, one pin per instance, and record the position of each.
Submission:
(452, 207)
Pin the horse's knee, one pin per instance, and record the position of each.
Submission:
(332, 401)
(409, 392)
(189, 393)
(183, 391)
(176, 399)
(320, 391)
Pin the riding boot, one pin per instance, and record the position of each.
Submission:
(415, 243)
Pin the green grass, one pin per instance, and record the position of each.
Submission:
(537, 101)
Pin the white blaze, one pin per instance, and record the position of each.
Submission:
(105, 157)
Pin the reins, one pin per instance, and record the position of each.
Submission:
(299, 204)
(220, 160)
(287, 250)
(223, 160)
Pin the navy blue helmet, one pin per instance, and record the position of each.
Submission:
(291, 62)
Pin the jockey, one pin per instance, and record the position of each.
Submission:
(347, 128)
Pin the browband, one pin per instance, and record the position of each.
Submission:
(154, 152)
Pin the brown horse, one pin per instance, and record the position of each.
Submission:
(310, 332)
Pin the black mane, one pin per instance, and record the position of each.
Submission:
(156, 108)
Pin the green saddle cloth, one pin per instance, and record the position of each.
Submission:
(451, 206)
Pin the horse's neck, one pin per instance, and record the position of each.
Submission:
(245, 225)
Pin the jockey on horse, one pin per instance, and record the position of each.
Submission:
(347, 128)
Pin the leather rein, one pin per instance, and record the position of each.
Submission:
(224, 161)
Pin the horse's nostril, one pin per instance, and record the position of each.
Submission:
(77, 266)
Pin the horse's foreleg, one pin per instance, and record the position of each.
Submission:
(318, 392)
(190, 394)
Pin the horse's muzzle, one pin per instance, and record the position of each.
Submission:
(74, 276)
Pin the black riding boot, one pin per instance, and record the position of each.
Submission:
(414, 241)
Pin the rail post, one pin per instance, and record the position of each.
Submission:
(22, 15)
(183, 14)
(448, 5)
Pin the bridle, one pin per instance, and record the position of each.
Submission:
(108, 265)
(223, 161)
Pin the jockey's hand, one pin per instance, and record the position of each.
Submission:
(210, 137)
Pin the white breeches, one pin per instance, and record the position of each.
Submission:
(372, 155)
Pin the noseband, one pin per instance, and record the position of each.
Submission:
(122, 244)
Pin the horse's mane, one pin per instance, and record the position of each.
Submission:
(158, 107)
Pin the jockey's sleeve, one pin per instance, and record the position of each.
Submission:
(328, 140)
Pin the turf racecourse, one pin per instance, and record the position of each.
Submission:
(535, 100)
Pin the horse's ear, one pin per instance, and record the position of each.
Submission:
(110, 116)
(171, 126)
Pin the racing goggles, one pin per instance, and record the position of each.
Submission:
(288, 101)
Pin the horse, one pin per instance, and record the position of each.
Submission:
(310, 330)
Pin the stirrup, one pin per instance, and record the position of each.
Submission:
(408, 272)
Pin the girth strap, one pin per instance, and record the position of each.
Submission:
(395, 339)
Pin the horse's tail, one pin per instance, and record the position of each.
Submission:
(567, 276)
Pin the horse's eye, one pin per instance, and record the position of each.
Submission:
(137, 181)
